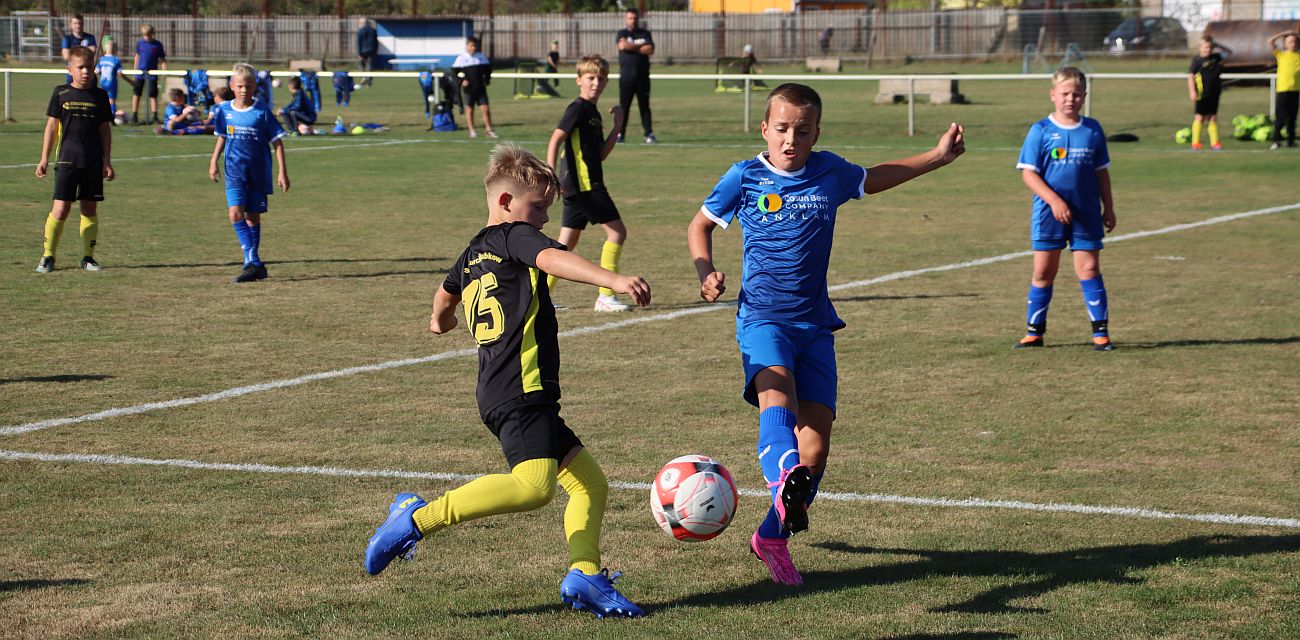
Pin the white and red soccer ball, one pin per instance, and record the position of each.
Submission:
(693, 498)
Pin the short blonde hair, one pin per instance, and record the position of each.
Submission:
(593, 64)
(147, 31)
(512, 163)
(1070, 74)
(243, 70)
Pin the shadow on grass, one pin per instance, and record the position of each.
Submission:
(199, 265)
(7, 586)
(961, 635)
(349, 276)
(1026, 574)
(61, 378)
(1190, 342)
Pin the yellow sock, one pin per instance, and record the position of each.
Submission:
(1214, 132)
(529, 485)
(89, 234)
(609, 255)
(1196, 132)
(53, 231)
(587, 488)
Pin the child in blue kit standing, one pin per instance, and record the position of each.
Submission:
(787, 199)
(1064, 162)
(247, 131)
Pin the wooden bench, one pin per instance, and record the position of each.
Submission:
(823, 63)
(937, 91)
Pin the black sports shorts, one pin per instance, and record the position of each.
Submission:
(530, 427)
(71, 185)
(1208, 104)
(589, 207)
(141, 82)
(474, 96)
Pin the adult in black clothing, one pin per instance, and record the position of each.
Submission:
(367, 47)
(635, 46)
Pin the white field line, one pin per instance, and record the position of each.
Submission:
(969, 503)
(293, 149)
(392, 364)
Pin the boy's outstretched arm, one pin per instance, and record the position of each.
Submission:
(444, 312)
(888, 175)
(699, 237)
(569, 266)
(283, 180)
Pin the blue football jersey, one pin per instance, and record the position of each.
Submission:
(1068, 159)
(249, 134)
(788, 220)
(108, 67)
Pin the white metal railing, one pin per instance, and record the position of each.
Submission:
(746, 79)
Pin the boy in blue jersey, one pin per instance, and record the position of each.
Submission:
(1064, 163)
(786, 199)
(247, 131)
(109, 68)
(426, 92)
(181, 119)
(149, 56)
(300, 113)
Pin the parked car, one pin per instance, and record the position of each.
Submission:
(1155, 34)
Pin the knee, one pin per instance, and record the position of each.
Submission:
(535, 496)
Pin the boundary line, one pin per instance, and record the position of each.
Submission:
(972, 503)
(392, 364)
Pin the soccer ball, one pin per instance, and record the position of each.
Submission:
(275, 83)
(1183, 136)
(693, 498)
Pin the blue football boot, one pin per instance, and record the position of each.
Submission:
(597, 595)
(396, 536)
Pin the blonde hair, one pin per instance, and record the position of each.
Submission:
(1070, 74)
(593, 64)
(147, 31)
(512, 163)
(243, 70)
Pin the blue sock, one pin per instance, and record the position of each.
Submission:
(778, 450)
(255, 241)
(1094, 298)
(245, 239)
(1036, 316)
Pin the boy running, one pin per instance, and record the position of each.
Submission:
(247, 131)
(1064, 163)
(501, 279)
(80, 123)
(1204, 87)
(109, 68)
(577, 148)
(786, 199)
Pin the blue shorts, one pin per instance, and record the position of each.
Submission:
(252, 200)
(807, 350)
(1076, 243)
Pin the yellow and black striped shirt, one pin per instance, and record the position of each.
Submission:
(508, 310)
(579, 163)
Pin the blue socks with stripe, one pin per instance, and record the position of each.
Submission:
(778, 450)
(1094, 298)
(255, 235)
(1036, 315)
(245, 238)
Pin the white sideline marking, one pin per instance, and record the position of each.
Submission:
(209, 154)
(972, 503)
(391, 364)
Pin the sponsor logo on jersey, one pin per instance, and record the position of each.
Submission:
(769, 203)
(1059, 153)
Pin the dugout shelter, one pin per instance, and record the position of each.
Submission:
(413, 44)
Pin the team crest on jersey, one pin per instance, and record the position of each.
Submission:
(1059, 153)
(230, 129)
(769, 203)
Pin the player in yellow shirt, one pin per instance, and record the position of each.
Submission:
(1288, 86)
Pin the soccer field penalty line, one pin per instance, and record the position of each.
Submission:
(326, 375)
(965, 503)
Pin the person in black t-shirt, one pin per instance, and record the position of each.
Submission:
(578, 147)
(501, 281)
(635, 46)
(1204, 87)
(80, 122)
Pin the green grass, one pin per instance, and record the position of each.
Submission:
(1194, 413)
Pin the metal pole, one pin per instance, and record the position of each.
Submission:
(7, 118)
(911, 105)
(746, 103)
(1273, 98)
(1087, 98)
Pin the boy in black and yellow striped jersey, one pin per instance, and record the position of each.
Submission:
(501, 280)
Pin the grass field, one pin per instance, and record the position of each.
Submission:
(129, 524)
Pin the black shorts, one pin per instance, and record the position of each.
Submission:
(142, 81)
(475, 96)
(530, 427)
(1207, 104)
(71, 185)
(589, 207)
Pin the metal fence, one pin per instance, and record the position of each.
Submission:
(679, 36)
